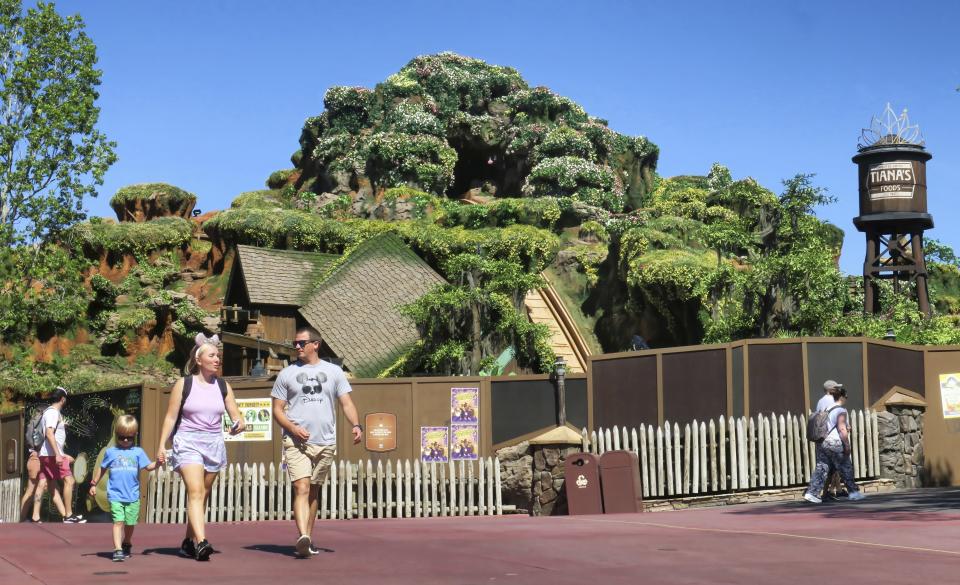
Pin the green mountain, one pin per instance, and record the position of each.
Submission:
(496, 185)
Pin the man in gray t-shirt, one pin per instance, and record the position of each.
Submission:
(304, 405)
(310, 391)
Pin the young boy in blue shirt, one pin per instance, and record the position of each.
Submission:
(124, 463)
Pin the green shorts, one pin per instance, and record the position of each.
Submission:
(126, 512)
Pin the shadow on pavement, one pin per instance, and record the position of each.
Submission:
(281, 549)
(930, 504)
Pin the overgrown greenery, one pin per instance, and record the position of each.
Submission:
(465, 324)
(162, 194)
(445, 112)
(719, 260)
(137, 239)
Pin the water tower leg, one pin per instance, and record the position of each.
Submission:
(869, 290)
(923, 298)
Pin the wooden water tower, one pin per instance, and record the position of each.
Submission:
(893, 206)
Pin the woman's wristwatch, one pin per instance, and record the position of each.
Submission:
(358, 426)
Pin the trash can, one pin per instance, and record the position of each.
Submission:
(581, 475)
(620, 478)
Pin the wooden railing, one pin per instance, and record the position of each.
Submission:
(352, 490)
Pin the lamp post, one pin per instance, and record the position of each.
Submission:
(258, 371)
(560, 370)
(890, 335)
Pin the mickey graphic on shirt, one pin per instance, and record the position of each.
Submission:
(311, 385)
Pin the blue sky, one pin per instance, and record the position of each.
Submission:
(211, 95)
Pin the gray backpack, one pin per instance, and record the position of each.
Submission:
(818, 425)
(36, 433)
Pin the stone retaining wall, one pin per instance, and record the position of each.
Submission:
(901, 445)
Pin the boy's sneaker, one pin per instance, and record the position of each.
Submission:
(187, 548)
(204, 550)
(812, 498)
(75, 519)
(127, 547)
(314, 550)
(855, 496)
(118, 556)
(303, 547)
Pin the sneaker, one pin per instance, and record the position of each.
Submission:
(812, 498)
(204, 550)
(75, 519)
(314, 550)
(303, 546)
(118, 556)
(127, 547)
(855, 496)
(187, 548)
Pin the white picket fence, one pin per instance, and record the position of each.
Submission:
(10, 500)
(352, 490)
(763, 451)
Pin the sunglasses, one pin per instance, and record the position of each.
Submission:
(126, 438)
(304, 342)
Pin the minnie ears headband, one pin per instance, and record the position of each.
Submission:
(202, 339)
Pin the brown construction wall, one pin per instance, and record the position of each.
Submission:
(841, 362)
(736, 381)
(520, 407)
(892, 365)
(625, 390)
(775, 382)
(694, 385)
(941, 436)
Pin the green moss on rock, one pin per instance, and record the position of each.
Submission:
(142, 202)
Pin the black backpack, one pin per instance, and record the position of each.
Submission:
(187, 385)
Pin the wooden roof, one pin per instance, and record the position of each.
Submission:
(280, 277)
(356, 307)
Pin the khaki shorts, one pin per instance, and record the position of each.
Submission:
(306, 460)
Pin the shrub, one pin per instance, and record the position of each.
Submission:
(166, 195)
(278, 179)
(138, 239)
(578, 178)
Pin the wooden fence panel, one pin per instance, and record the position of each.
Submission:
(262, 492)
(765, 451)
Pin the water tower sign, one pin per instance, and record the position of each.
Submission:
(892, 163)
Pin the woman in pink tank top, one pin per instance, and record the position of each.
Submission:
(199, 452)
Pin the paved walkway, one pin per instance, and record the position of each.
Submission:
(890, 538)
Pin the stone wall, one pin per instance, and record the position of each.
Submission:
(516, 475)
(901, 444)
(531, 477)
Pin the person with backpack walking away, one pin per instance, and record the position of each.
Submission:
(54, 462)
(829, 430)
(123, 462)
(832, 487)
(194, 420)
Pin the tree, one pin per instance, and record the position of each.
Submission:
(51, 154)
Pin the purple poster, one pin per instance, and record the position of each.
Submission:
(434, 444)
(464, 405)
(464, 440)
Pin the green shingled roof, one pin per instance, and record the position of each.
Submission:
(356, 307)
(280, 277)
